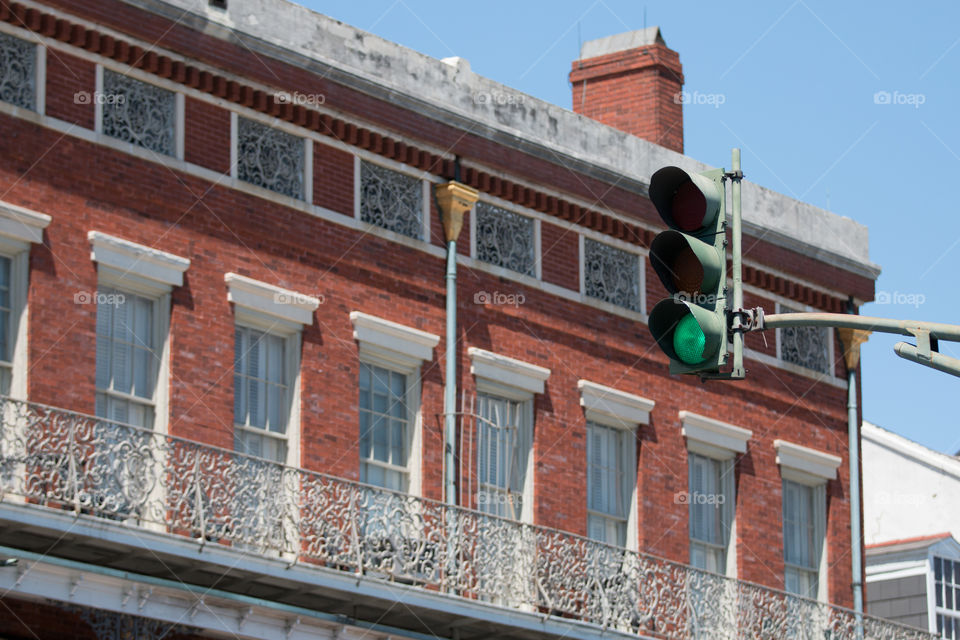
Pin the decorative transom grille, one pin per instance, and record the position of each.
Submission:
(18, 78)
(505, 238)
(270, 158)
(138, 112)
(611, 274)
(110, 625)
(805, 346)
(391, 200)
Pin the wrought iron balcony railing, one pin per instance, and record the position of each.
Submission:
(55, 458)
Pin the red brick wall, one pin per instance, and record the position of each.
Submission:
(207, 135)
(70, 85)
(560, 256)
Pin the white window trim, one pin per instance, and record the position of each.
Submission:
(20, 228)
(805, 465)
(713, 438)
(813, 468)
(41, 80)
(404, 350)
(269, 307)
(281, 312)
(513, 379)
(506, 373)
(135, 266)
(625, 411)
(612, 407)
(152, 273)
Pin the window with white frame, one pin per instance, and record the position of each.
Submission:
(711, 500)
(946, 590)
(504, 438)
(808, 347)
(611, 274)
(19, 229)
(137, 112)
(384, 427)
(261, 394)
(391, 200)
(128, 355)
(802, 537)
(713, 447)
(612, 418)
(608, 485)
(391, 356)
(805, 474)
(268, 324)
(505, 239)
(133, 316)
(504, 432)
(18, 72)
(270, 158)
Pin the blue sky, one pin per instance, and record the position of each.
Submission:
(849, 106)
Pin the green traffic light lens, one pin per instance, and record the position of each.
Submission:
(689, 340)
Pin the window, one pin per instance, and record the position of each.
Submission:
(711, 513)
(391, 200)
(127, 357)
(609, 487)
(133, 316)
(18, 72)
(139, 113)
(266, 367)
(504, 432)
(384, 427)
(805, 475)
(503, 447)
(7, 334)
(611, 275)
(391, 356)
(505, 239)
(808, 347)
(270, 158)
(946, 589)
(261, 394)
(713, 448)
(802, 537)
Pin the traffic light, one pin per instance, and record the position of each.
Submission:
(690, 260)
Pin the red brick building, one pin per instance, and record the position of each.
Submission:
(224, 263)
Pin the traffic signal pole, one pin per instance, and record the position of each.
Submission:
(927, 334)
(736, 318)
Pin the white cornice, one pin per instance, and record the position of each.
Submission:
(397, 343)
(136, 259)
(270, 300)
(507, 371)
(803, 464)
(625, 408)
(22, 224)
(713, 437)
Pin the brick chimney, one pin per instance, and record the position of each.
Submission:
(633, 82)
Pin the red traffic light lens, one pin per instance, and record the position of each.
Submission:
(688, 206)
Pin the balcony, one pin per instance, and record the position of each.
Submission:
(75, 467)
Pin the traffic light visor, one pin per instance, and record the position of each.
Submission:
(684, 264)
(689, 202)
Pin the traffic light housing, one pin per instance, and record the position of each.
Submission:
(690, 260)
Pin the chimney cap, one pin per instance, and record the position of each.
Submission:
(621, 42)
